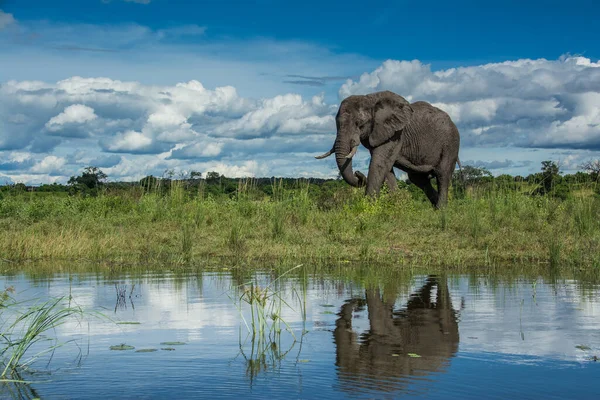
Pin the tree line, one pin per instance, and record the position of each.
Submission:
(549, 181)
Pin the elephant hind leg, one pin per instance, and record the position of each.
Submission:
(443, 183)
(444, 177)
(424, 183)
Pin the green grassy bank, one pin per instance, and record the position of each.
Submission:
(134, 226)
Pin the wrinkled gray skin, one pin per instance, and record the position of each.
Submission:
(417, 138)
(426, 327)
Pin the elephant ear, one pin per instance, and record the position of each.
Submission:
(389, 116)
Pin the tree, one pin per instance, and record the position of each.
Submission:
(505, 181)
(550, 175)
(550, 168)
(212, 175)
(195, 175)
(92, 177)
(89, 182)
(592, 167)
(469, 176)
(552, 183)
(16, 187)
(474, 174)
(149, 182)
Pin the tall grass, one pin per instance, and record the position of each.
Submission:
(187, 242)
(19, 335)
(179, 226)
(265, 305)
(266, 323)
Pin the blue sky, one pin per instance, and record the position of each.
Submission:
(251, 88)
(437, 32)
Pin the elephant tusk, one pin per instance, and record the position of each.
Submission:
(352, 152)
(330, 152)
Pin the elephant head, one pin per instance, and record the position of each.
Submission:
(416, 340)
(370, 119)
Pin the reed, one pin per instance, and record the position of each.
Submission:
(30, 327)
(266, 324)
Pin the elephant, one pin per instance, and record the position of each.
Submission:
(417, 138)
(415, 341)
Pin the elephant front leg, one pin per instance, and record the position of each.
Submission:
(379, 168)
(391, 181)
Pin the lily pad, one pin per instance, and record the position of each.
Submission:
(327, 312)
(122, 346)
(168, 349)
(172, 343)
(303, 361)
(395, 355)
(128, 323)
(327, 305)
(414, 355)
(145, 350)
(583, 347)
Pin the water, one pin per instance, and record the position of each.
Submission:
(428, 337)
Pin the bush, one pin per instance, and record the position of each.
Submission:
(561, 191)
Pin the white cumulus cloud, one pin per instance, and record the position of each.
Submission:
(182, 123)
(135, 129)
(49, 165)
(73, 114)
(527, 103)
(199, 150)
(285, 114)
(129, 141)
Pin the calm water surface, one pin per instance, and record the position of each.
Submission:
(433, 337)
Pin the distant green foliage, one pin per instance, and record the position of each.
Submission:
(327, 193)
(592, 167)
(88, 183)
(551, 183)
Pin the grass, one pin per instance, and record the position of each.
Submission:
(265, 308)
(22, 331)
(265, 325)
(401, 229)
(26, 329)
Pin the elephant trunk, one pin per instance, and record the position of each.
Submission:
(343, 156)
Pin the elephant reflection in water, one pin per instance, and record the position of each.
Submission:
(425, 327)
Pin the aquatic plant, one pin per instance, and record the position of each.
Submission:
(266, 324)
(28, 328)
(265, 309)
